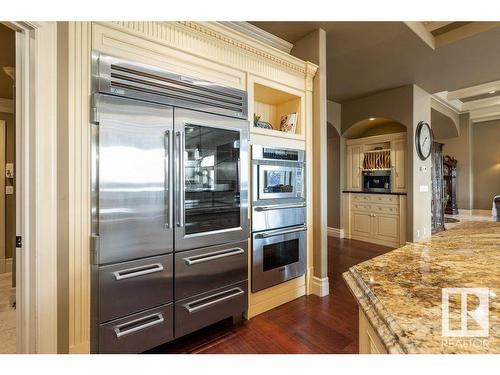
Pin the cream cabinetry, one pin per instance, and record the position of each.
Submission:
(357, 150)
(398, 161)
(354, 167)
(277, 83)
(376, 218)
(369, 342)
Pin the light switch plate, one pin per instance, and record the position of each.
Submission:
(9, 170)
(424, 188)
(9, 190)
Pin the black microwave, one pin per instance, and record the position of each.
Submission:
(377, 181)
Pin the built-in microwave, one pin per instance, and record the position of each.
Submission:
(377, 181)
(278, 173)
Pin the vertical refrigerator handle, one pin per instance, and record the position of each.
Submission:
(167, 189)
(179, 137)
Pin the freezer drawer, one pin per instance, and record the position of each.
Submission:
(126, 288)
(208, 308)
(138, 332)
(201, 270)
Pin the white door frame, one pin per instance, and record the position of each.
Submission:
(36, 185)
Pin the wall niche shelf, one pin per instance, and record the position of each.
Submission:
(271, 101)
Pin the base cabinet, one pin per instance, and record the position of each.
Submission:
(376, 218)
(369, 343)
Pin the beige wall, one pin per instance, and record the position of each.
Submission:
(312, 47)
(335, 165)
(419, 206)
(334, 182)
(406, 105)
(394, 104)
(486, 163)
(461, 149)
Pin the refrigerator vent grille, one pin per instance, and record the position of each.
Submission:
(162, 88)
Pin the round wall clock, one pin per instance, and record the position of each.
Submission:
(423, 140)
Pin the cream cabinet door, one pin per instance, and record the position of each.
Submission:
(398, 161)
(354, 167)
(361, 224)
(386, 228)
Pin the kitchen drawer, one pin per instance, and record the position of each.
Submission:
(129, 287)
(138, 332)
(201, 270)
(361, 207)
(386, 199)
(278, 216)
(387, 209)
(208, 308)
(363, 198)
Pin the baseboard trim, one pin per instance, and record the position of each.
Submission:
(336, 232)
(320, 287)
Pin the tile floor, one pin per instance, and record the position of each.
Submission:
(7, 316)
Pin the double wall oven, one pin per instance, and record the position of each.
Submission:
(169, 205)
(278, 216)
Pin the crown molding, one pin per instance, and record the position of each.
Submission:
(257, 33)
(235, 39)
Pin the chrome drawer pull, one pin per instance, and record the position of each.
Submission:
(138, 271)
(279, 207)
(212, 256)
(148, 323)
(280, 232)
(191, 310)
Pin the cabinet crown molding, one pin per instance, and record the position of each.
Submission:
(189, 34)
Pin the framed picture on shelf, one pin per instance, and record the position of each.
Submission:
(261, 124)
(288, 123)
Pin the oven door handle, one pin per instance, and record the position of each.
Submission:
(279, 232)
(279, 207)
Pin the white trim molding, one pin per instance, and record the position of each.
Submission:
(6, 105)
(257, 33)
(320, 287)
(36, 188)
(335, 232)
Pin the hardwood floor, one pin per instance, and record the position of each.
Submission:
(307, 325)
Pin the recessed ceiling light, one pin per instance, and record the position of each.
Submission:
(491, 92)
(371, 118)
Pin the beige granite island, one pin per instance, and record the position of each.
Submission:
(400, 294)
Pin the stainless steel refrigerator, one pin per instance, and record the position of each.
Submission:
(169, 205)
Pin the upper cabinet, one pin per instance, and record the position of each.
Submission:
(377, 153)
(355, 159)
(398, 160)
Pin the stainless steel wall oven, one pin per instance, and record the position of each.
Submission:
(278, 216)
(169, 205)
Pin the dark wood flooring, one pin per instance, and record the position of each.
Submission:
(308, 324)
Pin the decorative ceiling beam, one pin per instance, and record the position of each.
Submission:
(421, 31)
(434, 25)
(485, 114)
(474, 90)
(481, 103)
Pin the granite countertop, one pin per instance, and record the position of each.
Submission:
(371, 192)
(400, 292)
